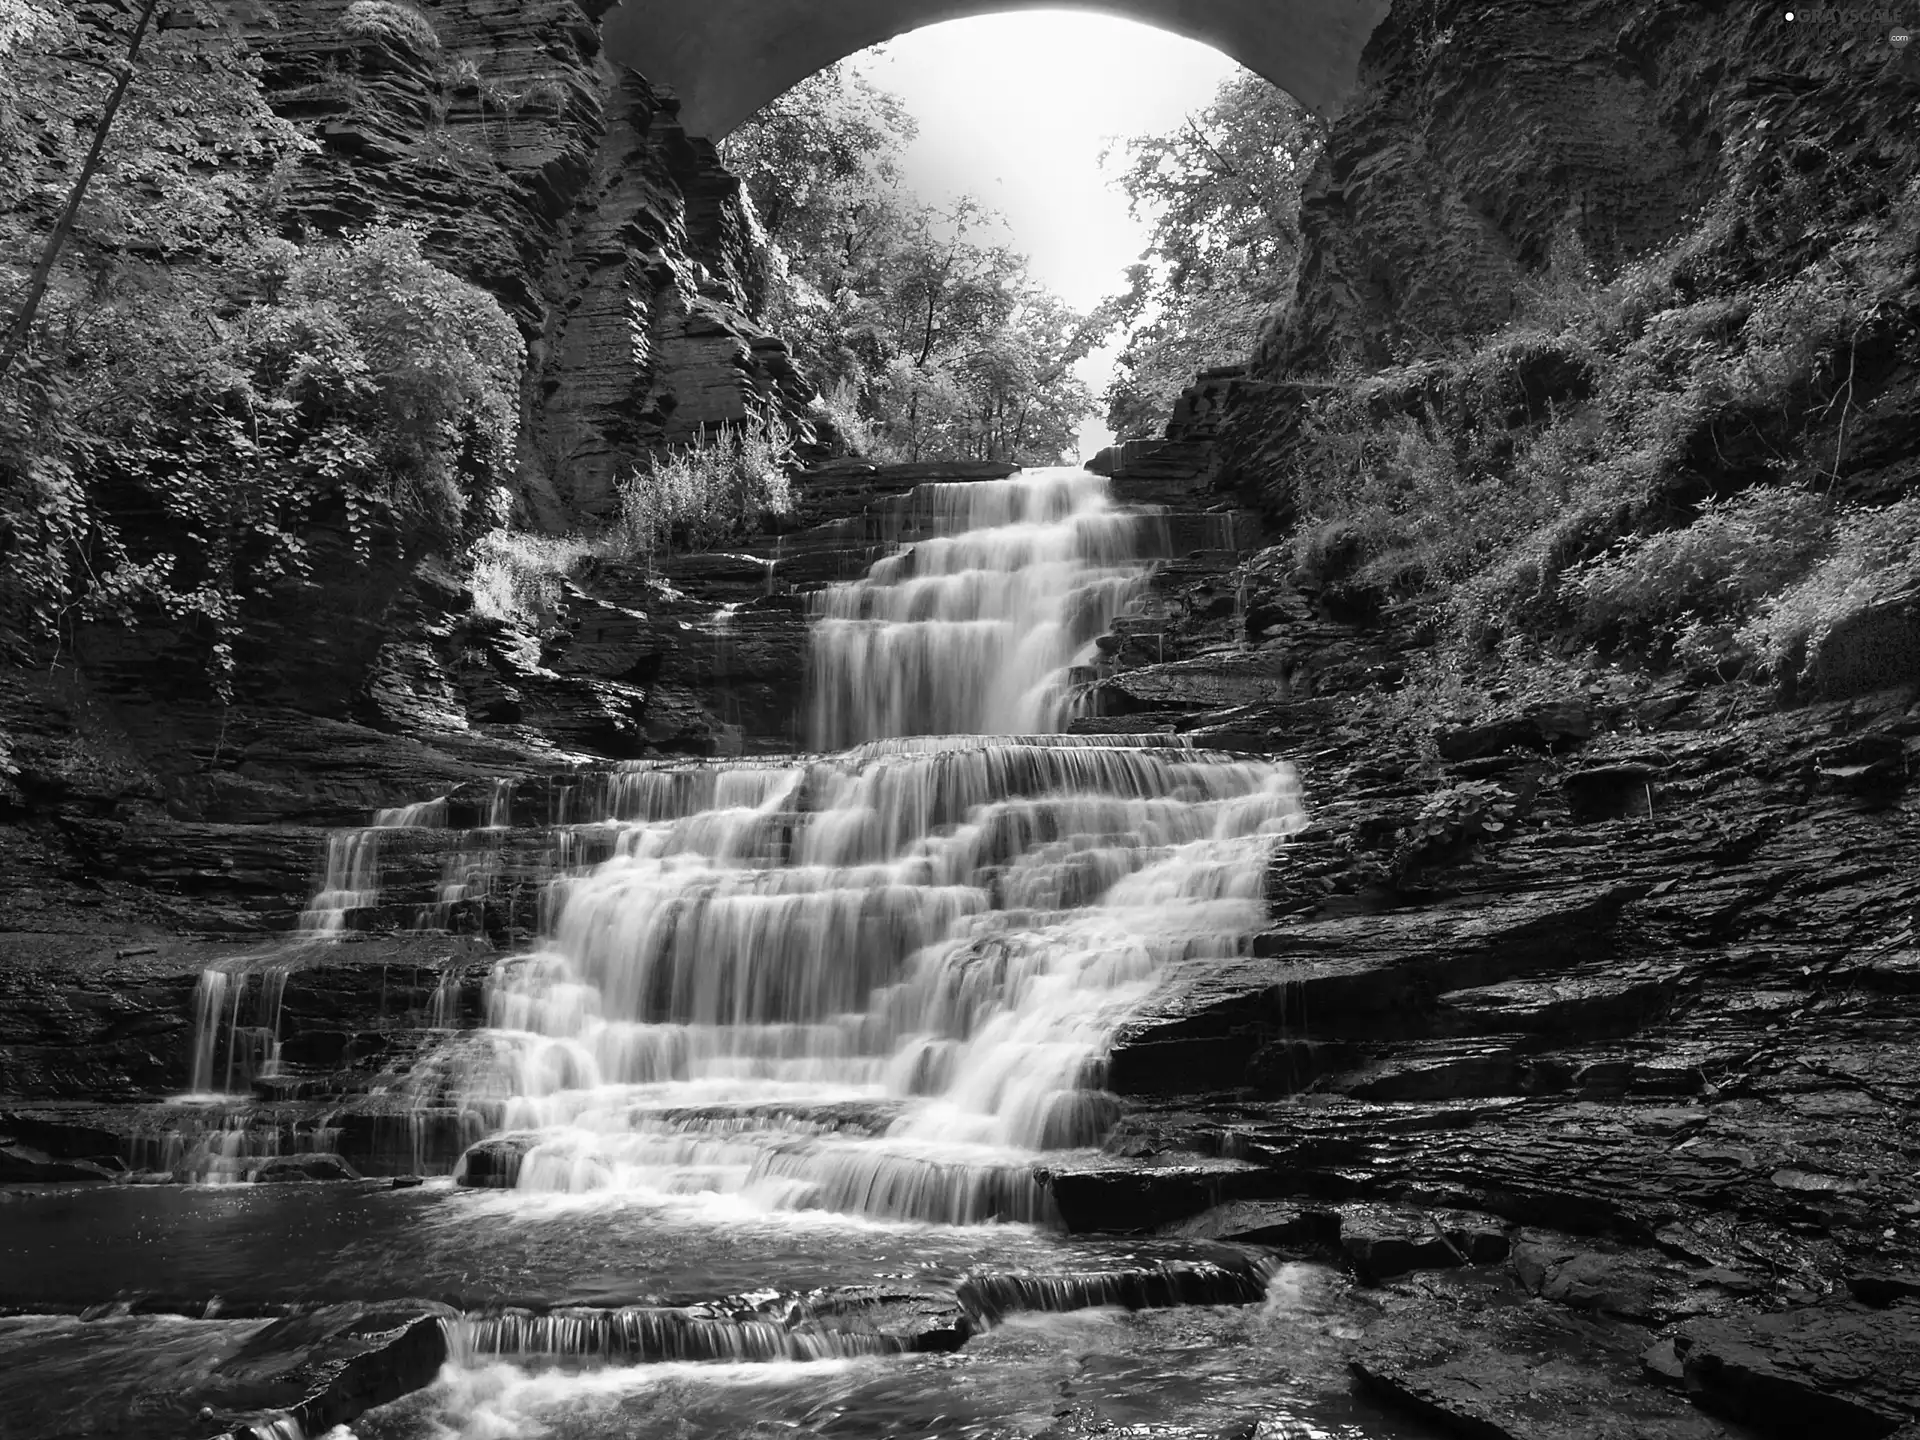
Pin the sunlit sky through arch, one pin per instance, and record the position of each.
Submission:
(1015, 110)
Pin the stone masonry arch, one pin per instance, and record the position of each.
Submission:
(727, 58)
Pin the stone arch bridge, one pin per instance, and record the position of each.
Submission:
(727, 58)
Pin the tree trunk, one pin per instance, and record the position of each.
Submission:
(43, 271)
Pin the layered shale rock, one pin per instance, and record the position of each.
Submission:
(563, 184)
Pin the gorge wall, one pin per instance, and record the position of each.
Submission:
(565, 185)
(1613, 980)
(1486, 144)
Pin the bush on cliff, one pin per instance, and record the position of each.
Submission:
(691, 497)
(1874, 556)
(696, 496)
(181, 436)
(1653, 463)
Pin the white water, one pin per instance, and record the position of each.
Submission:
(881, 982)
(975, 625)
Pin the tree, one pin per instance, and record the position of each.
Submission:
(830, 138)
(1223, 192)
(922, 316)
(123, 129)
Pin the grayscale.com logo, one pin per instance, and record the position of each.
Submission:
(1836, 20)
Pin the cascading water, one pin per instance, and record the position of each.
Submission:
(794, 1032)
(881, 981)
(974, 626)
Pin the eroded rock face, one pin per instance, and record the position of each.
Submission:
(563, 183)
(1487, 139)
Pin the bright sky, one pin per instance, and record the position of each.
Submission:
(1015, 110)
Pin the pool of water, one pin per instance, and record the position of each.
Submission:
(1201, 1371)
(249, 1246)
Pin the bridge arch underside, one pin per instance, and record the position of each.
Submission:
(727, 58)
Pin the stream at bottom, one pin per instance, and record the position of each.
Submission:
(545, 1300)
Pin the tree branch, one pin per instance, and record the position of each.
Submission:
(22, 326)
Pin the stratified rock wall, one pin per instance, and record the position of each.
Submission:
(564, 185)
(1490, 141)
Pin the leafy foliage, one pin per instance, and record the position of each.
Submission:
(517, 576)
(698, 495)
(1652, 462)
(189, 163)
(930, 331)
(391, 20)
(1874, 556)
(1735, 553)
(170, 447)
(1223, 192)
(1449, 821)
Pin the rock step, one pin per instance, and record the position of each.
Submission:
(327, 1367)
(1235, 1278)
(1378, 1242)
(1349, 978)
(762, 1327)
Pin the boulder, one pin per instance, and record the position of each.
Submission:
(493, 1164)
(328, 1367)
(1381, 1241)
(23, 1163)
(1474, 1363)
(1839, 1371)
(292, 1169)
(1550, 725)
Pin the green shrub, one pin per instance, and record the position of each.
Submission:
(391, 20)
(169, 450)
(1735, 553)
(1450, 822)
(426, 365)
(863, 438)
(517, 576)
(1874, 555)
(698, 495)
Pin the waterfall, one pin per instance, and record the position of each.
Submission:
(350, 883)
(883, 981)
(353, 862)
(975, 625)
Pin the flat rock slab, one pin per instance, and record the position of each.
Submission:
(1346, 977)
(1227, 1277)
(767, 1326)
(1113, 1197)
(1483, 1363)
(1600, 1003)
(1382, 1241)
(1206, 682)
(197, 1378)
(1842, 1371)
(329, 1366)
(1273, 1223)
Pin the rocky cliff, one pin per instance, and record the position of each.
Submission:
(1487, 144)
(1485, 1037)
(1582, 1026)
(564, 185)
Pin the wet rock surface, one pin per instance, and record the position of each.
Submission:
(1478, 1359)
(1644, 1048)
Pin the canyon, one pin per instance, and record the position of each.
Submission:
(1576, 1030)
